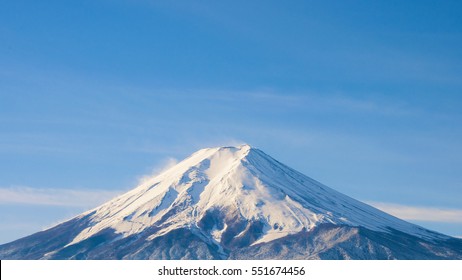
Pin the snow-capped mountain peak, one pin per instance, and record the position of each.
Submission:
(215, 190)
(233, 203)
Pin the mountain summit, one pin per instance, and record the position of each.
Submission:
(233, 203)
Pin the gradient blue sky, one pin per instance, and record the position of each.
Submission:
(363, 96)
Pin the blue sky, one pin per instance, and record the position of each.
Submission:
(363, 96)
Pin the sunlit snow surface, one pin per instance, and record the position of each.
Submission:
(241, 182)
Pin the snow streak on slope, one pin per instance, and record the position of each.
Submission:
(242, 183)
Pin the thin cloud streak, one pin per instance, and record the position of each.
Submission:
(55, 197)
(425, 214)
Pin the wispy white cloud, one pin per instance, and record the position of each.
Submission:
(55, 197)
(427, 214)
(318, 101)
(337, 102)
(387, 107)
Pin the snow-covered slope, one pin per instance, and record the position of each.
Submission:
(227, 198)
